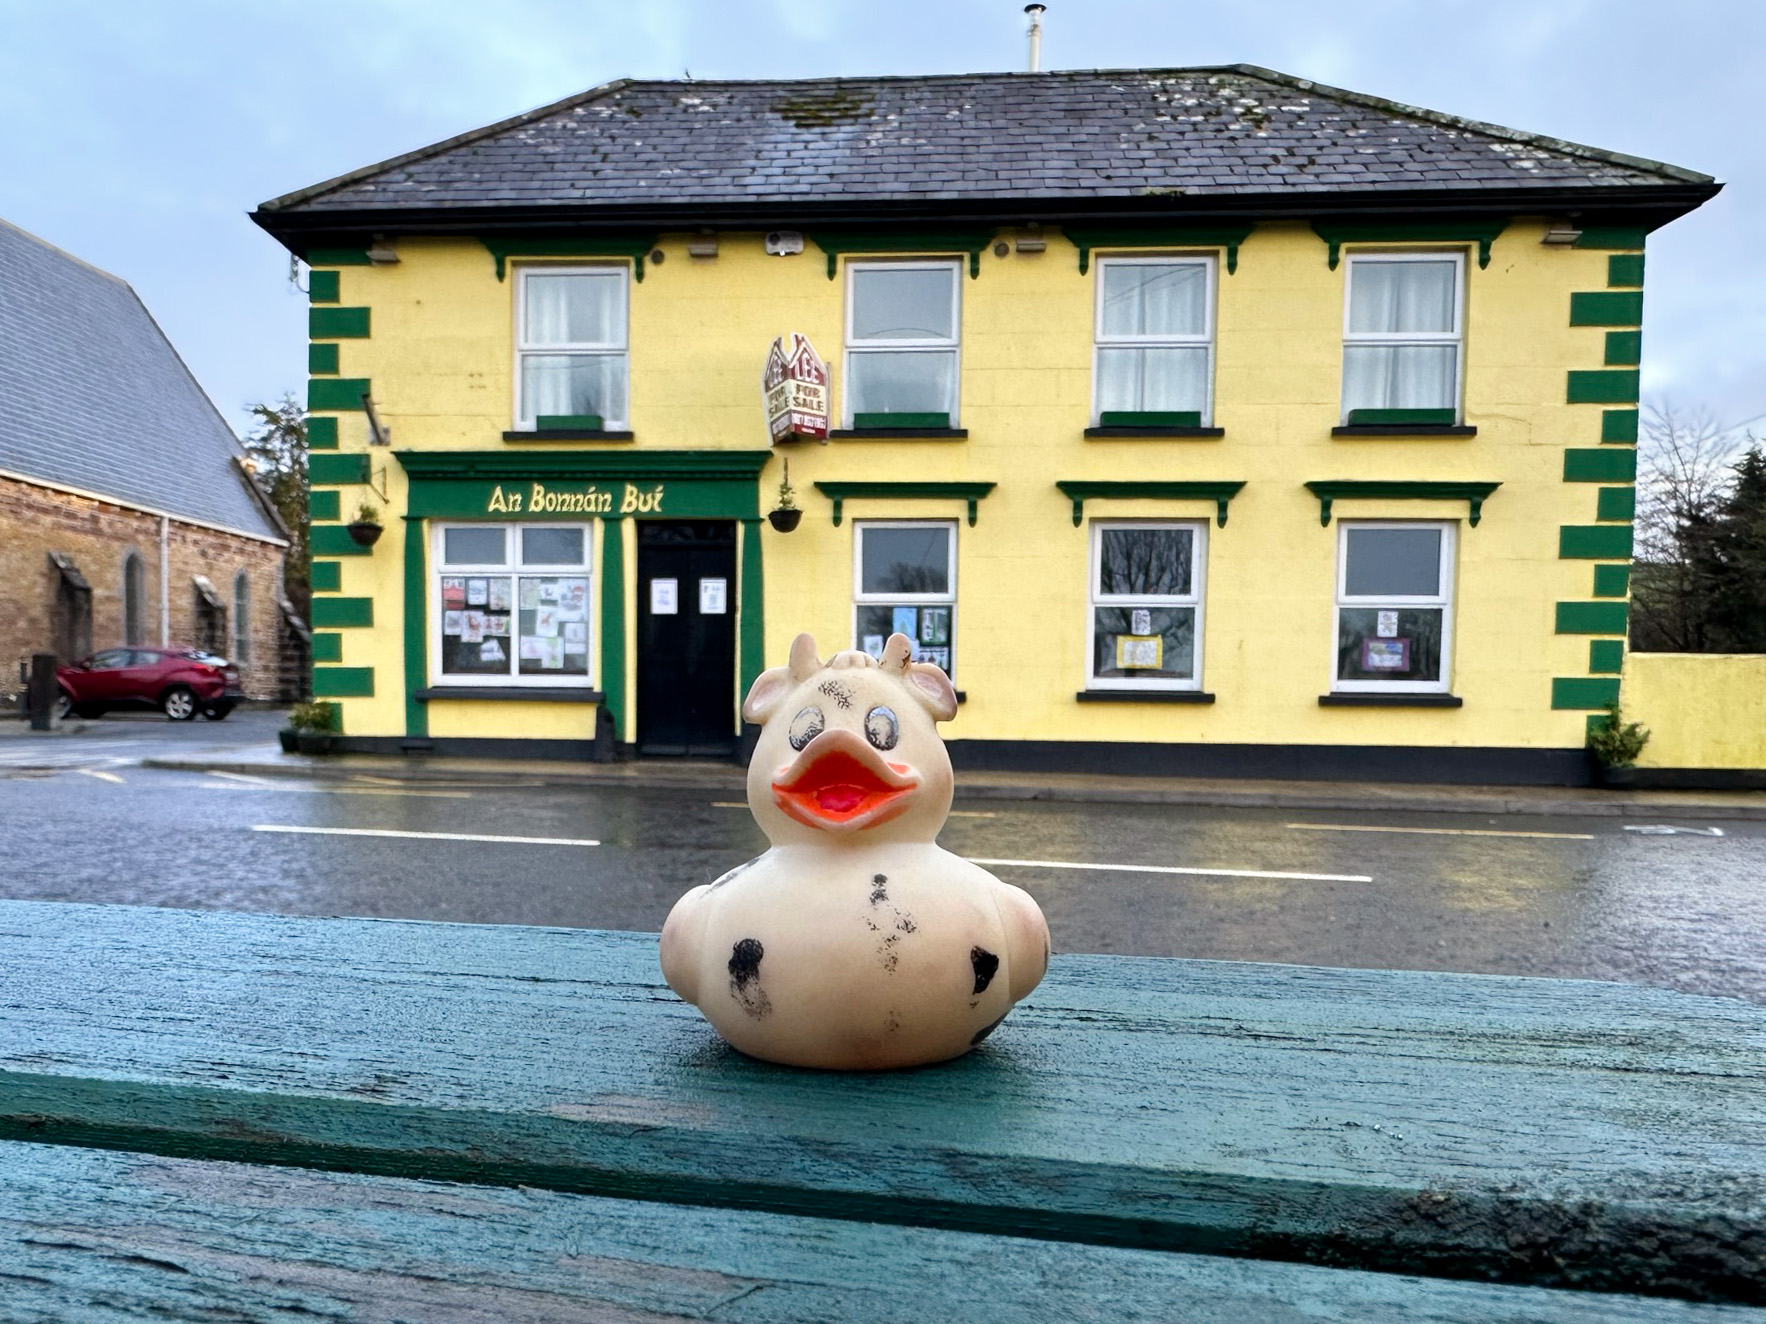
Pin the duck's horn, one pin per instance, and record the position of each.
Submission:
(804, 662)
(897, 652)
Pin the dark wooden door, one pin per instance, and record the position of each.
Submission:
(687, 637)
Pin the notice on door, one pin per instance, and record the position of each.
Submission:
(665, 598)
(713, 597)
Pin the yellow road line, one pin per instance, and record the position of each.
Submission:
(1440, 832)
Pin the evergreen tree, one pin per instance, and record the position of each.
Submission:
(1732, 561)
(277, 447)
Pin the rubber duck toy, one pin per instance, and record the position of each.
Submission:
(855, 943)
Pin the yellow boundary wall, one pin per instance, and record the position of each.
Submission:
(1704, 710)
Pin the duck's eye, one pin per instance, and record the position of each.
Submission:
(881, 728)
(806, 726)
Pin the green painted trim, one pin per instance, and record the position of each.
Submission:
(327, 647)
(325, 576)
(1597, 464)
(1603, 386)
(343, 682)
(1594, 542)
(322, 359)
(901, 421)
(613, 622)
(1606, 657)
(341, 613)
(324, 505)
(1337, 233)
(337, 470)
(1611, 236)
(1624, 348)
(932, 243)
(1592, 617)
(635, 247)
(323, 287)
(751, 625)
(321, 434)
(1474, 494)
(1616, 503)
(514, 465)
(1361, 418)
(1583, 692)
(567, 423)
(1619, 425)
(416, 628)
(337, 323)
(1612, 581)
(334, 540)
(840, 493)
(1606, 308)
(1625, 269)
(1080, 491)
(1150, 418)
(337, 393)
(337, 257)
(1086, 238)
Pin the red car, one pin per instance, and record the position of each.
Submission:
(181, 682)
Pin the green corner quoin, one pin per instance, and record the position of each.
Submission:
(337, 470)
(334, 540)
(323, 287)
(1584, 617)
(1606, 657)
(341, 613)
(326, 576)
(343, 682)
(1612, 581)
(1619, 426)
(323, 505)
(321, 434)
(1624, 349)
(337, 323)
(322, 359)
(1595, 386)
(1615, 504)
(336, 393)
(1594, 464)
(1584, 691)
(1607, 308)
(327, 647)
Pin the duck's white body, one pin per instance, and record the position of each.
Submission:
(855, 942)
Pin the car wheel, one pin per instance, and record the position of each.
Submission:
(64, 706)
(179, 703)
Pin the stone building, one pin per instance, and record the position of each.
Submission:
(126, 515)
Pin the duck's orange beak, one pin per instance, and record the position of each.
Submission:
(839, 781)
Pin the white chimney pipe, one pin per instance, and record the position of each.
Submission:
(1035, 12)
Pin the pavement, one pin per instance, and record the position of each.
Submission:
(268, 760)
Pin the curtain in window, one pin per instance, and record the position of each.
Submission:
(574, 384)
(1155, 299)
(1400, 376)
(572, 310)
(1153, 379)
(1397, 298)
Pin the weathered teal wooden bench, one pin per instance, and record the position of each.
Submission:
(232, 1117)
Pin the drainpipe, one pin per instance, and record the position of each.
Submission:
(165, 582)
(1035, 12)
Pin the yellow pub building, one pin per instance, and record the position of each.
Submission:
(1203, 421)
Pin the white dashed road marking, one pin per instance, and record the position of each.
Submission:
(1175, 869)
(422, 836)
(1440, 832)
(101, 775)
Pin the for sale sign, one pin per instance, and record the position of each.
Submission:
(795, 383)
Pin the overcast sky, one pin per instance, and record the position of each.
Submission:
(137, 136)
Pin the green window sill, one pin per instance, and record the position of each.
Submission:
(567, 434)
(1151, 430)
(897, 434)
(1401, 700)
(1405, 430)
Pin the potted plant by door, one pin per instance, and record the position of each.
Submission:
(365, 528)
(1613, 747)
(309, 729)
(785, 516)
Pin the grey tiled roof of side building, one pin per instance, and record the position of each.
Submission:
(93, 396)
(1236, 130)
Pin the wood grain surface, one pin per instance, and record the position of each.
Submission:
(1562, 1133)
(98, 1237)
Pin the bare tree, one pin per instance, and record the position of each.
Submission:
(1684, 476)
(277, 447)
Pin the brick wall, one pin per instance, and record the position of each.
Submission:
(97, 537)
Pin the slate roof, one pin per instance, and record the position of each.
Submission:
(93, 396)
(1207, 133)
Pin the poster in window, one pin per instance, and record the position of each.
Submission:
(1140, 621)
(477, 592)
(935, 625)
(873, 645)
(713, 597)
(472, 629)
(1385, 655)
(499, 595)
(453, 622)
(530, 648)
(906, 621)
(665, 597)
(573, 597)
(576, 637)
(530, 594)
(1387, 624)
(491, 650)
(1140, 652)
(552, 653)
(938, 657)
(548, 590)
(496, 625)
(453, 592)
(545, 622)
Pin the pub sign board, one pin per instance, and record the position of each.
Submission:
(795, 384)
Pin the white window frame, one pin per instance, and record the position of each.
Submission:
(1100, 341)
(511, 569)
(854, 345)
(1096, 599)
(1444, 600)
(1456, 337)
(946, 599)
(525, 417)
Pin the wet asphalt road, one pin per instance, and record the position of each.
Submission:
(1578, 897)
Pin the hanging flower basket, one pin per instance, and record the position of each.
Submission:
(784, 520)
(363, 533)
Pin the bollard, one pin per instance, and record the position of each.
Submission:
(41, 695)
